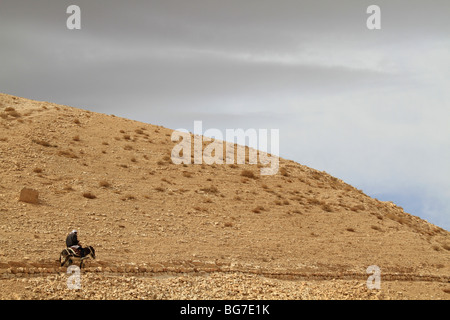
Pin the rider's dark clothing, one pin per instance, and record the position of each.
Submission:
(72, 240)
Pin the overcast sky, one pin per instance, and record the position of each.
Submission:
(371, 107)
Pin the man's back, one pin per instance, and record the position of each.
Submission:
(71, 240)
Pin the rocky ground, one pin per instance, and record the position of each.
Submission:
(215, 286)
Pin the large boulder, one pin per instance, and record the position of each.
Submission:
(29, 195)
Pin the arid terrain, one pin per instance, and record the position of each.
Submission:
(196, 231)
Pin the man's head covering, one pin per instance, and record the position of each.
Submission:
(74, 231)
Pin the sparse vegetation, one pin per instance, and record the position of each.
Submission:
(248, 174)
(89, 195)
(314, 201)
(67, 154)
(43, 143)
(258, 209)
(357, 208)
(10, 111)
(128, 197)
(283, 171)
(211, 189)
(376, 228)
(187, 174)
(104, 184)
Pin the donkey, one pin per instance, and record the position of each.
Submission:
(68, 255)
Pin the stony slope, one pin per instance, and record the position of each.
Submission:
(113, 180)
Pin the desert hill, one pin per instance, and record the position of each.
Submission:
(113, 180)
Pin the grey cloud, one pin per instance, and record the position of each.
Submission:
(346, 100)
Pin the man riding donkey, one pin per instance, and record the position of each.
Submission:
(73, 243)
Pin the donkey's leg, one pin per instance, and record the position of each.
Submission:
(65, 260)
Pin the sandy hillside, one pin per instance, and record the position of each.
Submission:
(166, 231)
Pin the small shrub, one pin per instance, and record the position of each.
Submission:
(37, 170)
(76, 138)
(67, 154)
(76, 121)
(104, 184)
(14, 114)
(357, 207)
(350, 230)
(187, 174)
(258, 209)
(314, 201)
(248, 174)
(89, 195)
(376, 228)
(128, 197)
(284, 172)
(326, 207)
(316, 175)
(42, 143)
(211, 189)
(127, 147)
(160, 189)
